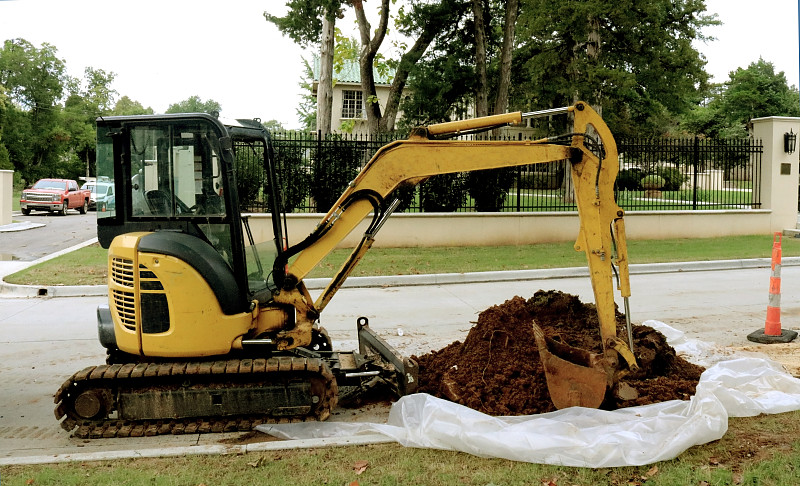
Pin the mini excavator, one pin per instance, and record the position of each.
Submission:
(208, 329)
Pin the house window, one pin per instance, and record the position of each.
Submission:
(352, 104)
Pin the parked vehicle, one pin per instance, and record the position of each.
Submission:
(102, 194)
(54, 195)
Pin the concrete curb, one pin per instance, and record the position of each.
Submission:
(220, 449)
(12, 290)
(29, 291)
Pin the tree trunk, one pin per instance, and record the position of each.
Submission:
(325, 86)
(369, 48)
(504, 83)
(482, 94)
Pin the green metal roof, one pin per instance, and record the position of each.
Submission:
(351, 73)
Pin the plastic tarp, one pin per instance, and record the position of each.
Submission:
(733, 385)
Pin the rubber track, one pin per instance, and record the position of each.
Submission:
(125, 375)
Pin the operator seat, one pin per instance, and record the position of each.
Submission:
(159, 202)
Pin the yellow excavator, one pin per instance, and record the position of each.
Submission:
(209, 330)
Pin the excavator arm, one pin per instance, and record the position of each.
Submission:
(592, 153)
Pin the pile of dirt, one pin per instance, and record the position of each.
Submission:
(497, 369)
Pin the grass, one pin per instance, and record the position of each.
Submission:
(760, 451)
(87, 266)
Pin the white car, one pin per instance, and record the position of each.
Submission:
(102, 197)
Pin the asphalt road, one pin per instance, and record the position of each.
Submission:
(56, 234)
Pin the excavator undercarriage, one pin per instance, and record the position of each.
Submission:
(200, 396)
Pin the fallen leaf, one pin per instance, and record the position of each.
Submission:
(714, 461)
(703, 483)
(360, 466)
(652, 472)
(30, 481)
(257, 462)
(354, 483)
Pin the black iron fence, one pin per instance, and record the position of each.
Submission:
(655, 174)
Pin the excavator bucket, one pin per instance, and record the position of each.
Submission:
(575, 377)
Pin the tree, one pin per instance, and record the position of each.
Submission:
(633, 60)
(34, 79)
(194, 104)
(751, 92)
(5, 160)
(87, 100)
(311, 22)
(423, 21)
(127, 106)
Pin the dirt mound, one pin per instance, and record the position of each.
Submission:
(497, 369)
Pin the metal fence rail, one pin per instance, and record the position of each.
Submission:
(688, 174)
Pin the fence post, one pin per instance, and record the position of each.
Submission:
(779, 174)
(695, 170)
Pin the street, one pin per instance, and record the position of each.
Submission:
(57, 233)
(44, 341)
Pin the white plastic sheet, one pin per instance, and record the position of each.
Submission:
(733, 385)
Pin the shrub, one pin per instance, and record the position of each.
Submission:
(442, 193)
(489, 188)
(673, 178)
(630, 180)
(334, 168)
(652, 181)
(292, 176)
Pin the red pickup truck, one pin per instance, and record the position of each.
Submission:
(54, 195)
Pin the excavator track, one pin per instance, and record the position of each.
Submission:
(145, 399)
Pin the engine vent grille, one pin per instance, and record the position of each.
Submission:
(125, 305)
(122, 271)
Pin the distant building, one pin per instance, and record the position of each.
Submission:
(347, 114)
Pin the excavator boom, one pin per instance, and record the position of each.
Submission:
(592, 153)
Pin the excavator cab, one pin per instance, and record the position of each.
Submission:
(177, 173)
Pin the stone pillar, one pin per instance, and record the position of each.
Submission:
(6, 195)
(779, 170)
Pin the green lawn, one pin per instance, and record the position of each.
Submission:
(90, 263)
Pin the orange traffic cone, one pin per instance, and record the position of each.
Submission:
(772, 332)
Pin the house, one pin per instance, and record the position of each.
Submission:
(347, 114)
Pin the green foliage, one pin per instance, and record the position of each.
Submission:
(443, 193)
(488, 188)
(293, 178)
(333, 170)
(194, 104)
(127, 106)
(630, 179)
(673, 178)
(303, 21)
(635, 60)
(535, 179)
(749, 93)
(34, 79)
(652, 181)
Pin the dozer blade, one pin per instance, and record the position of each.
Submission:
(575, 377)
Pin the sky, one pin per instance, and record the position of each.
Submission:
(163, 52)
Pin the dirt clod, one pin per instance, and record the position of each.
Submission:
(497, 369)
